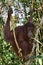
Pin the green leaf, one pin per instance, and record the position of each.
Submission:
(1, 21)
(40, 61)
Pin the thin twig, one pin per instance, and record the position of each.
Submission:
(38, 41)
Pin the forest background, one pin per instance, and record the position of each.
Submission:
(21, 14)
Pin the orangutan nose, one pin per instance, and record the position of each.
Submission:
(30, 34)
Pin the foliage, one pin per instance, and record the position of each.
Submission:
(1, 21)
(7, 56)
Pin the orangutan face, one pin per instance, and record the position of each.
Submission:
(30, 31)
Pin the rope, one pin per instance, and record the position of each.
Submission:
(19, 49)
